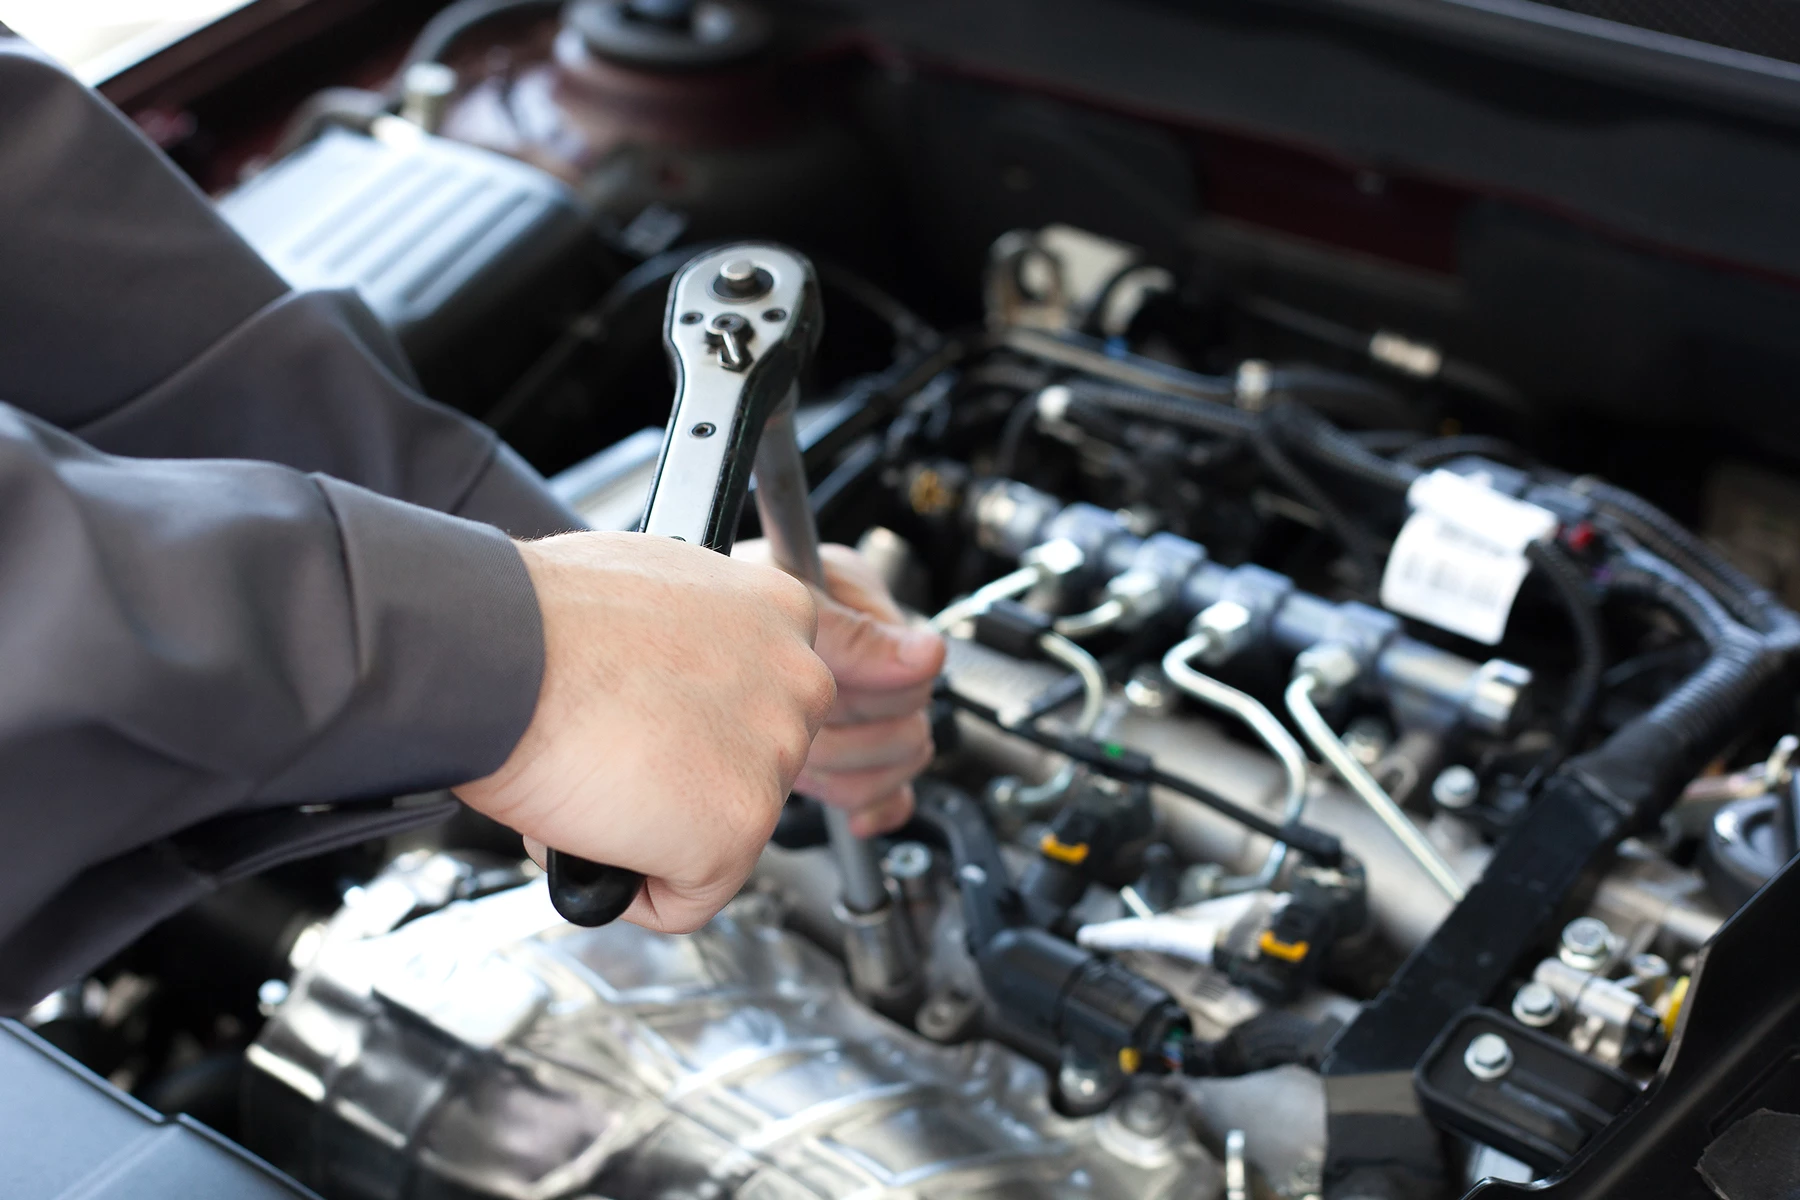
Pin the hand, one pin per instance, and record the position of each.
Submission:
(680, 697)
(877, 736)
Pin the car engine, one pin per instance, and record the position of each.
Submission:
(1345, 769)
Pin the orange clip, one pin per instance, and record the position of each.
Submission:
(1062, 852)
(1288, 952)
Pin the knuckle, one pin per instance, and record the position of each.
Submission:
(795, 601)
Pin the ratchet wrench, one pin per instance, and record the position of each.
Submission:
(741, 326)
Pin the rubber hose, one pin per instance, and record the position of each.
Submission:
(1206, 416)
(1642, 764)
(1325, 442)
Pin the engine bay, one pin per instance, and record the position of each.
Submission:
(1346, 764)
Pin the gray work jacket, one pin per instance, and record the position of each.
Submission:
(229, 587)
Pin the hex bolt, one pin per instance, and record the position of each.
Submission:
(1536, 1005)
(1456, 788)
(908, 860)
(1587, 943)
(1488, 1057)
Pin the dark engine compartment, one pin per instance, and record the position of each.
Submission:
(1180, 308)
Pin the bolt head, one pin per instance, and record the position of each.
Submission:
(1488, 1057)
(1536, 1005)
(1456, 787)
(1587, 943)
(908, 860)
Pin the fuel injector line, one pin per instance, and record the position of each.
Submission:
(1118, 762)
(1311, 678)
(1177, 664)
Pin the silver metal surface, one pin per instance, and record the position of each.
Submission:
(1325, 740)
(1093, 679)
(1488, 1057)
(1402, 898)
(1285, 1110)
(1104, 615)
(882, 956)
(787, 521)
(1262, 722)
(1587, 944)
(491, 1049)
(781, 498)
(704, 427)
(1237, 1172)
(425, 91)
(1536, 1005)
(1456, 787)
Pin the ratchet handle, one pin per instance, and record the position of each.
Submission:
(741, 324)
(590, 893)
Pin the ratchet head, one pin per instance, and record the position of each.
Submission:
(741, 327)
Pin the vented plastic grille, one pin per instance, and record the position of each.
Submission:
(1767, 27)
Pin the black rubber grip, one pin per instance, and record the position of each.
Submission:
(589, 893)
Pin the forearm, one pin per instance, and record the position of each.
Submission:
(188, 639)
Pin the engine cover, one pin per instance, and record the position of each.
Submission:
(489, 1049)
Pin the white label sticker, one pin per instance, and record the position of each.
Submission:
(1460, 558)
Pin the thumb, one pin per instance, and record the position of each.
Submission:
(864, 652)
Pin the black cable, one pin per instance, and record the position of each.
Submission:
(1583, 609)
(1747, 600)
(911, 331)
(1204, 416)
(1432, 451)
(1130, 766)
(1357, 542)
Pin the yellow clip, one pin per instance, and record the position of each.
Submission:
(1130, 1060)
(1677, 997)
(1289, 952)
(1073, 855)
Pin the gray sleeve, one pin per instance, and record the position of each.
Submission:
(133, 316)
(212, 666)
(186, 640)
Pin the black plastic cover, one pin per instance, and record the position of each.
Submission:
(471, 258)
(1546, 1107)
(68, 1133)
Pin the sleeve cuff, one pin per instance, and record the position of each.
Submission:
(450, 655)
